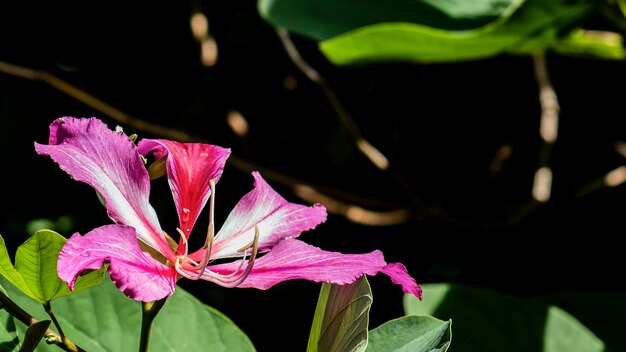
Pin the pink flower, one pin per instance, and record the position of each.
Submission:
(258, 237)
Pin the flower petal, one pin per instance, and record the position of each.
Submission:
(294, 259)
(109, 162)
(190, 167)
(399, 275)
(135, 273)
(276, 218)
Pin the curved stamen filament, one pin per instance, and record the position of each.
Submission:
(183, 258)
(236, 277)
(208, 243)
(211, 200)
(208, 247)
(184, 239)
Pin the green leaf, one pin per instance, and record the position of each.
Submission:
(9, 272)
(34, 334)
(622, 6)
(489, 321)
(103, 319)
(35, 270)
(599, 311)
(532, 27)
(341, 317)
(9, 340)
(324, 19)
(592, 44)
(411, 333)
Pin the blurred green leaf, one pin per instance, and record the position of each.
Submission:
(324, 19)
(103, 319)
(622, 6)
(411, 333)
(35, 270)
(601, 312)
(34, 334)
(591, 44)
(533, 27)
(60, 224)
(341, 317)
(9, 341)
(489, 321)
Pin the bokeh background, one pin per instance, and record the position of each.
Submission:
(462, 140)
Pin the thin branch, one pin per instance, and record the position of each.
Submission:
(548, 130)
(373, 154)
(64, 339)
(613, 15)
(304, 190)
(613, 178)
(20, 314)
(157, 130)
(362, 144)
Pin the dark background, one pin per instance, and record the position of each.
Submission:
(441, 125)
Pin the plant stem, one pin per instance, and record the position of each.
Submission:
(148, 313)
(65, 341)
(20, 314)
(16, 311)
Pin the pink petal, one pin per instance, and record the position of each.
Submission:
(294, 259)
(108, 161)
(399, 275)
(190, 166)
(135, 273)
(276, 218)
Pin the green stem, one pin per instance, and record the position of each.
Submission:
(64, 340)
(20, 314)
(16, 311)
(148, 313)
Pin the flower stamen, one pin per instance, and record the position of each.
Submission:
(208, 243)
(184, 239)
(208, 247)
(236, 277)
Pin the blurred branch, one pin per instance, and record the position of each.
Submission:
(548, 131)
(548, 128)
(91, 101)
(334, 199)
(611, 179)
(374, 155)
(311, 193)
(612, 13)
(199, 24)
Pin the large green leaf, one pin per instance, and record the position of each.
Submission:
(324, 19)
(34, 333)
(591, 44)
(489, 321)
(9, 340)
(411, 333)
(600, 311)
(35, 270)
(534, 26)
(341, 317)
(103, 319)
(622, 6)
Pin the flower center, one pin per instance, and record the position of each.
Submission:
(193, 270)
